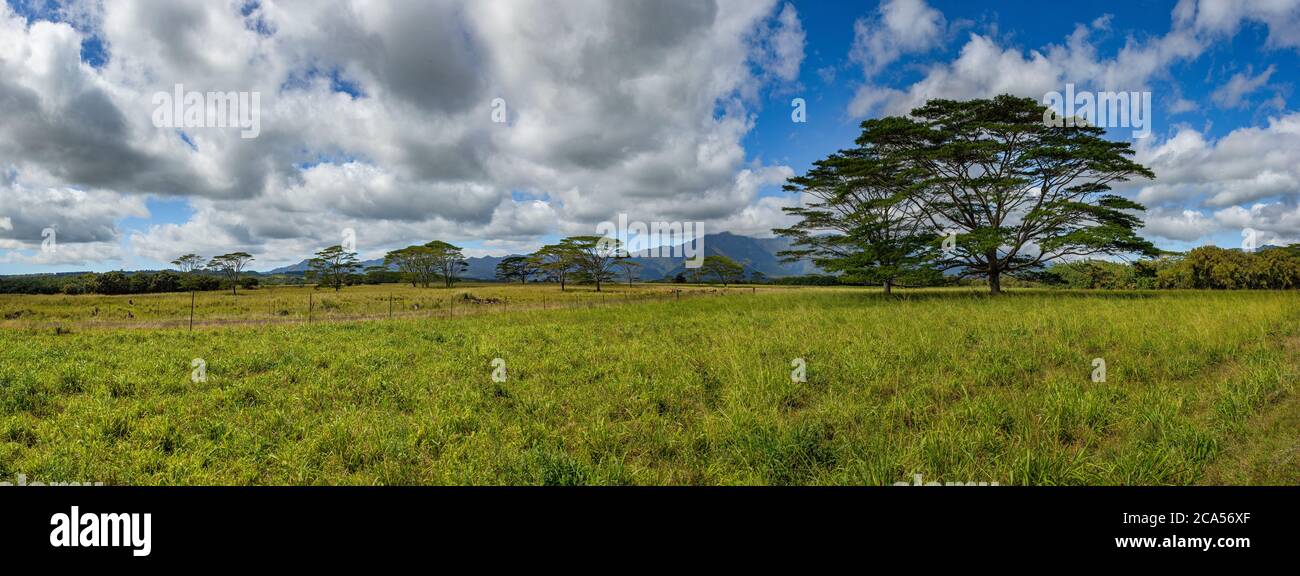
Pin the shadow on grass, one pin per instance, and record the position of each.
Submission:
(925, 295)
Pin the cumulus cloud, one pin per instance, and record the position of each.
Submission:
(378, 116)
(985, 68)
(1246, 165)
(1185, 225)
(1274, 223)
(897, 27)
(784, 51)
(1242, 84)
(1223, 18)
(1249, 178)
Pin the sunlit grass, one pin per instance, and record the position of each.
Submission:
(301, 304)
(954, 386)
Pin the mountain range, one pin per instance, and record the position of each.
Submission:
(756, 254)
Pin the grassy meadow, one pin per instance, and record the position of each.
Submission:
(299, 304)
(955, 386)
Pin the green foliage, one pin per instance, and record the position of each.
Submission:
(1006, 182)
(948, 384)
(375, 275)
(423, 265)
(231, 265)
(110, 283)
(333, 267)
(982, 188)
(860, 217)
(188, 263)
(1101, 275)
(594, 259)
(1219, 269)
(809, 280)
(556, 262)
(516, 268)
(723, 269)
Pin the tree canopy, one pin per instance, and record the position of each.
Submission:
(595, 258)
(726, 270)
(423, 265)
(981, 188)
(516, 268)
(231, 265)
(332, 266)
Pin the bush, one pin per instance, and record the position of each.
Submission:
(1218, 269)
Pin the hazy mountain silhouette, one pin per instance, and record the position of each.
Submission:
(756, 254)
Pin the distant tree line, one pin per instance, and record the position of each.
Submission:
(1205, 268)
(119, 283)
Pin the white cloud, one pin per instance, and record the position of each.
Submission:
(1242, 84)
(984, 68)
(634, 106)
(1223, 18)
(1276, 223)
(785, 45)
(1246, 165)
(1185, 225)
(898, 27)
(67, 254)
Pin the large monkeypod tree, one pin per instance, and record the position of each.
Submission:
(859, 218)
(1015, 192)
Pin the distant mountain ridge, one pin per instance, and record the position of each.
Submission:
(756, 254)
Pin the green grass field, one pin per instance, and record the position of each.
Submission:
(299, 304)
(951, 385)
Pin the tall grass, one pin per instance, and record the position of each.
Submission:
(289, 304)
(949, 385)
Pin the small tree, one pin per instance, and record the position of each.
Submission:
(332, 266)
(724, 269)
(231, 265)
(188, 263)
(595, 257)
(375, 275)
(629, 270)
(448, 261)
(415, 263)
(557, 262)
(519, 268)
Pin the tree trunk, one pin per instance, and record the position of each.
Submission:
(889, 287)
(995, 282)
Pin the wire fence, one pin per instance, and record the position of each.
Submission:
(324, 307)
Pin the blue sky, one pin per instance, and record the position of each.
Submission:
(678, 112)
